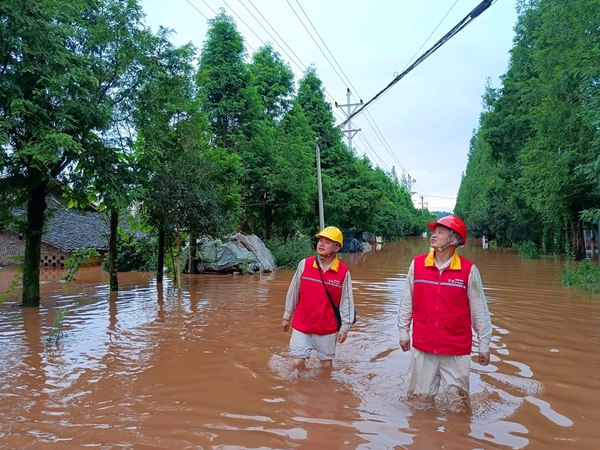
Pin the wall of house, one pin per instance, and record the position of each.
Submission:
(53, 257)
(12, 245)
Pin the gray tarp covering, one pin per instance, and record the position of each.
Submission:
(244, 253)
(255, 245)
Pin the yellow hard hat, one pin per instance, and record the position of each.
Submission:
(332, 233)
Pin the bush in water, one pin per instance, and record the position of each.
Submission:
(582, 275)
(289, 252)
(528, 250)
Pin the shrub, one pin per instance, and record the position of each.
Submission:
(582, 275)
(15, 284)
(289, 252)
(528, 250)
(76, 260)
(135, 253)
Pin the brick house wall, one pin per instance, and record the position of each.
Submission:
(12, 245)
(53, 257)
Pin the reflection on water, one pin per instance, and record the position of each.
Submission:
(207, 367)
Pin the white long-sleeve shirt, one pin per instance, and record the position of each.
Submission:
(480, 315)
(346, 302)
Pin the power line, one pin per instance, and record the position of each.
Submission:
(485, 4)
(374, 156)
(316, 43)
(242, 20)
(370, 118)
(382, 139)
(275, 31)
(304, 67)
(209, 7)
(378, 132)
(329, 51)
(194, 6)
(431, 34)
(297, 58)
(215, 13)
(439, 196)
(332, 99)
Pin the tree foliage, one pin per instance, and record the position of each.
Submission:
(96, 108)
(533, 167)
(226, 93)
(66, 69)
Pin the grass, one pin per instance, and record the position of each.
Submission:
(582, 275)
(57, 332)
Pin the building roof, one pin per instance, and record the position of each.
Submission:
(70, 230)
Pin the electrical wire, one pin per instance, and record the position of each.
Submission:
(431, 34)
(210, 7)
(316, 43)
(485, 4)
(194, 6)
(328, 50)
(303, 68)
(378, 132)
(370, 118)
(374, 154)
(215, 13)
(247, 26)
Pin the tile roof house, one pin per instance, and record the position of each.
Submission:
(67, 230)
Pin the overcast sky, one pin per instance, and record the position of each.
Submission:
(424, 123)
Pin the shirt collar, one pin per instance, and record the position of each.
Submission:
(335, 265)
(454, 263)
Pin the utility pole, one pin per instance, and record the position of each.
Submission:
(320, 186)
(422, 207)
(350, 108)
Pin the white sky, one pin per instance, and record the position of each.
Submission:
(424, 123)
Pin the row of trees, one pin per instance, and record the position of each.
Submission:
(534, 163)
(97, 109)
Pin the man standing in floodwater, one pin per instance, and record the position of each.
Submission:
(443, 298)
(321, 284)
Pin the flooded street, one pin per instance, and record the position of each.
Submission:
(207, 367)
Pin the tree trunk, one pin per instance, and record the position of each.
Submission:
(112, 250)
(36, 207)
(578, 241)
(177, 259)
(160, 264)
(193, 247)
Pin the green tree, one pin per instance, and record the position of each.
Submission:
(112, 170)
(274, 82)
(354, 193)
(55, 101)
(533, 166)
(277, 154)
(227, 96)
(565, 141)
(311, 97)
(294, 183)
(193, 187)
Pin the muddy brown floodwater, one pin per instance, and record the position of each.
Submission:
(207, 367)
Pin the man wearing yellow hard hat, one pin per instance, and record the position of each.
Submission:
(319, 305)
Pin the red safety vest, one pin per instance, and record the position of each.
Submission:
(314, 314)
(441, 313)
